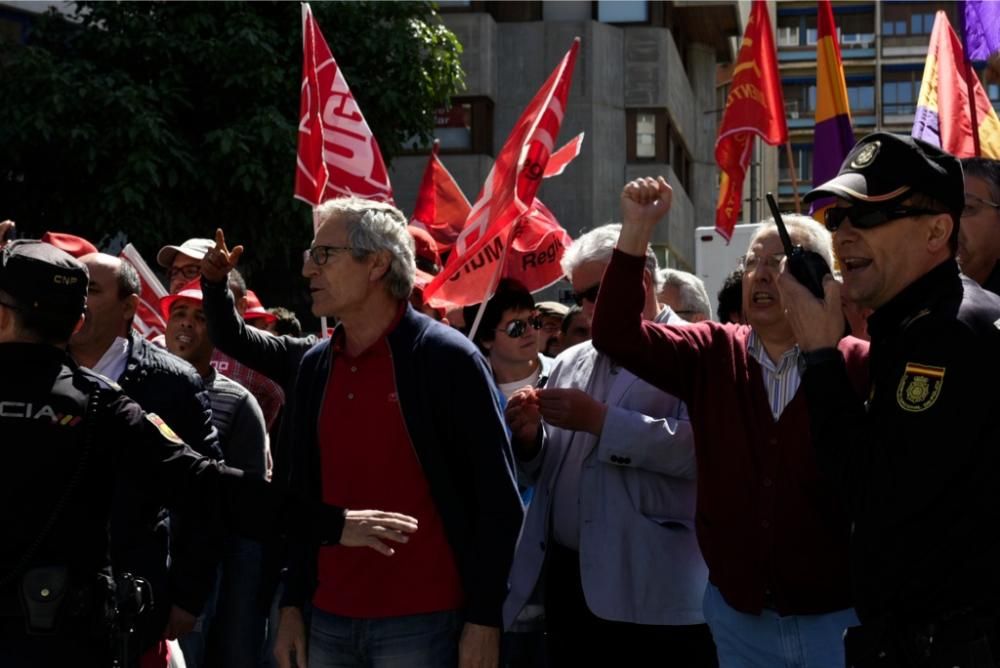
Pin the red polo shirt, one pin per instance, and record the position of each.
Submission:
(368, 462)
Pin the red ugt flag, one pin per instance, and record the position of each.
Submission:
(754, 106)
(441, 206)
(508, 192)
(338, 155)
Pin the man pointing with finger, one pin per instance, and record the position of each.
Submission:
(917, 463)
(395, 411)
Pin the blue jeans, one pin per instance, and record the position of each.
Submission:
(768, 640)
(414, 641)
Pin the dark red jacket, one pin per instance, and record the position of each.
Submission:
(767, 521)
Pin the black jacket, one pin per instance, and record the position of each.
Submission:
(453, 417)
(46, 416)
(919, 463)
(164, 384)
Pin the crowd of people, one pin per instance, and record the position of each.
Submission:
(629, 479)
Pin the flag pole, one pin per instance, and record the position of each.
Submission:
(795, 176)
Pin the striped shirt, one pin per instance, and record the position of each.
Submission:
(781, 380)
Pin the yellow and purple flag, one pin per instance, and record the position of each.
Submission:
(833, 138)
(982, 29)
(944, 116)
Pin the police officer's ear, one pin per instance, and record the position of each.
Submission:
(79, 323)
(939, 229)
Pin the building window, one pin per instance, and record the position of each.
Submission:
(647, 135)
(906, 19)
(800, 98)
(861, 96)
(899, 91)
(856, 31)
(681, 160)
(622, 11)
(464, 127)
(855, 27)
(802, 155)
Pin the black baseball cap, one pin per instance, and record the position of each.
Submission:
(42, 277)
(884, 168)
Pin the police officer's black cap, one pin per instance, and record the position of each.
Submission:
(43, 278)
(884, 168)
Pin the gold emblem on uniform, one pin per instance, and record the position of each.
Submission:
(919, 387)
(866, 155)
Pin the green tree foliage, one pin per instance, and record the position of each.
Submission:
(165, 120)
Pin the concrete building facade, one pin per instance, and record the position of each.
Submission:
(643, 92)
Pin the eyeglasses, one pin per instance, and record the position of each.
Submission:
(867, 218)
(751, 262)
(590, 294)
(321, 254)
(973, 209)
(188, 271)
(515, 329)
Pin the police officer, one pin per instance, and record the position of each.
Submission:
(65, 432)
(917, 461)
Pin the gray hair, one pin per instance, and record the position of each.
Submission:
(373, 227)
(694, 296)
(597, 246)
(814, 236)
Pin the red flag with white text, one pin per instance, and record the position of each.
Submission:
(508, 193)
(337, 153)
(147, 321)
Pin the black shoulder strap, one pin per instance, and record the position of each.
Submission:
(89, 438)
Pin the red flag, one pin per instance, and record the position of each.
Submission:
(754, 106)
(337, 153)
(507, 194)
(148, 321)
(561, 158)
(441, 206)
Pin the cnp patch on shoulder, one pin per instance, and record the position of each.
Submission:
(919, 387)
(164, 428)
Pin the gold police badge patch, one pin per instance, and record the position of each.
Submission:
(919, 387)
(164, 428)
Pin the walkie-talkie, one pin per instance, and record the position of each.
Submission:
(808, 267)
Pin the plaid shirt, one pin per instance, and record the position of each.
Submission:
(268, 393)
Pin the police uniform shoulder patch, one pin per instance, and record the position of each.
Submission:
(164, 428)
(919, 387)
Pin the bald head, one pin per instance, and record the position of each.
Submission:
(112, 298)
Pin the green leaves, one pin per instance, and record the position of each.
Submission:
(166, 120)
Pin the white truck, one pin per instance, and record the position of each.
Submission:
(714, 260)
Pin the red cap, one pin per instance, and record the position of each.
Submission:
(425, 249)
(191, 290)
(69, 243)
(256, 311)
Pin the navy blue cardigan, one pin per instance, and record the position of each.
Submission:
(455, 423)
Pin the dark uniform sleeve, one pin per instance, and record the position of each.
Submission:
(923, 420)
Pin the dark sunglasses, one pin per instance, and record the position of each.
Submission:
(865, 218)
(590, 294)
(515, 329)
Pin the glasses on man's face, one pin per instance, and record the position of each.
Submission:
(864, 218)
(590, 294)
(189, 271)
(515, 329)
(751, 262)
(320, 255)
(975, 204)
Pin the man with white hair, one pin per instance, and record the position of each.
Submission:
(685, 293)
(395, 411)
(610, 529)
(772, 531)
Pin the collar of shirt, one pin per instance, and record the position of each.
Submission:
(338, 342)
(113, 361)
(781, 380)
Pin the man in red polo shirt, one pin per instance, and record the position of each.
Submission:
(771, 529)
(399, 411)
